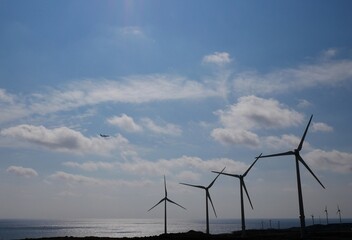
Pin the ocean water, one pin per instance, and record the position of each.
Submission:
(20, 229)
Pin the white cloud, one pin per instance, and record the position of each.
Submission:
(326, 73)
(321, 127)
(235, 136)
(176, 166)
(285, 142)
(335, 161)
(74, 178)
(5, 97)
(303, 103)
(251, 113)
(64, 139)
(131, 31)
(125, 122)
(131, 89)
(90, 166)
(188, 176)
(21, 171)
(167, 129)
(10, 106)
(218, 58)
(90, 181)
(329, 53)
(11, 112)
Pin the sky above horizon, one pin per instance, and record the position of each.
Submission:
(182, 88)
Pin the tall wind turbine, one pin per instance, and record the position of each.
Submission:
(299, 159)
(242, 186)
(326, 215)
(207, 196)
(339, 212)
(165, 199)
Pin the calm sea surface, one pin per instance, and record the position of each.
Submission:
(20, 229)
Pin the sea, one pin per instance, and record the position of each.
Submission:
(30, 228)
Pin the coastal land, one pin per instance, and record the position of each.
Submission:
(342, 231)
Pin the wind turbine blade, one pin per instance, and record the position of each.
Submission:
(165, 186)
(211, 201)
(211, 184)
(256, 159)
(278, 154)
(245, 189)
(191, 185)
(303, 162)
(157, 204)
(175, 203)
(227, 174)
(304, 135)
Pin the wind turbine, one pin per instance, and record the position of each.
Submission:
(312, 218)
(207, 196)
(339, 212)
(165, 199)
(242, 186)
(326, 214)
(299, 159)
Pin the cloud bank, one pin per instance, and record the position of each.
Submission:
(250, 113)
(64, 139)
(166, 129)
(128, 124)
(133, 89)
(125, 122)
(177, 165)
(69, 178)
(22, 171)
(218, 58)
(322, 73)
(336, 161)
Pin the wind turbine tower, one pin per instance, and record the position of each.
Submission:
(326, 214)
(165, 199)
(299, 159)
(242, 186)
(207, 196)
(339, 213)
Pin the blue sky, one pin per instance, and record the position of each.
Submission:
(182, 88)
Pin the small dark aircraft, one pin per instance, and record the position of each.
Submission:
(103, 135)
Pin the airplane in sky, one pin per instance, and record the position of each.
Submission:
(104, 135)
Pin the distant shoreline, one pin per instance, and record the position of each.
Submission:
(339, 231)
